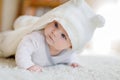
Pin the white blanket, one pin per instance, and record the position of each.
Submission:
(93, 68)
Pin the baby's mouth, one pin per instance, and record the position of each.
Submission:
(51, 38)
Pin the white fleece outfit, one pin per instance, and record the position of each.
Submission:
(33, 50)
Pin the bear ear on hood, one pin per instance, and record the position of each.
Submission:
(97, 21)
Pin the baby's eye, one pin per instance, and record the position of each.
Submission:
(63, 36)
(56, 24)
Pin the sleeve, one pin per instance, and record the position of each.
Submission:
(74, 58)
(23, 54)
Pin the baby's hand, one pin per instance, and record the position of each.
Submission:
(74, 65)
(35, 68)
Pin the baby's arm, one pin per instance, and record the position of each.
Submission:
(74, 60)
(23, 55)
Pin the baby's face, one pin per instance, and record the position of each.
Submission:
(56, 36)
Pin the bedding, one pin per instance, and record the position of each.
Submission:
(92, 68)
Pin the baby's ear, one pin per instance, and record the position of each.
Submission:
(71, 47)
(97, 21)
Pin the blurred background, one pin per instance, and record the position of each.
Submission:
(106, 40)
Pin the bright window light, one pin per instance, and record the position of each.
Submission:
(104, 37)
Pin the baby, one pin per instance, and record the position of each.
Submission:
(54, 38)
(49, 46)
